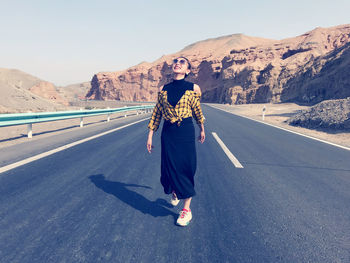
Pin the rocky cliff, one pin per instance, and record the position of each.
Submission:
(322, 78)
(239, 69)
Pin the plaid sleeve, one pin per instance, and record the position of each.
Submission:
(196, 109)
(156, 116)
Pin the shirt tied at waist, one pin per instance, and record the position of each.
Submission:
(178, 120)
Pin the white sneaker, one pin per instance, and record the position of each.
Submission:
(184, 217)
(174, 200)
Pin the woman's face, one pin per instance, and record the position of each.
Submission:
(180, 66)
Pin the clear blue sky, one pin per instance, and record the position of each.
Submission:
(67, 41)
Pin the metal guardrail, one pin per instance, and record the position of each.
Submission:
(30, 118)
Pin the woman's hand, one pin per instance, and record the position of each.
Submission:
(149, 141)
(149, 145)
(201, 137)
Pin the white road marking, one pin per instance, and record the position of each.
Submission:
(233, 159)
(307, 136)
(42, 155)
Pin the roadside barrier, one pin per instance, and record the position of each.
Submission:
(30, 118)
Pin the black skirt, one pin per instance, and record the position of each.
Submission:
(178, 158)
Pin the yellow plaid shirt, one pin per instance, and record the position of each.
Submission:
(187, 106)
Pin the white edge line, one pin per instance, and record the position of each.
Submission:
(233, 159)
(61, 148)
(307, 136)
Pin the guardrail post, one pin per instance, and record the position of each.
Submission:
(125, 112)
(81, 119)
(108, 116)
(30, 130)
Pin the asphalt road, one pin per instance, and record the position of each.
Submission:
(101, 201)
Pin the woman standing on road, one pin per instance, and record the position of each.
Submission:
(177, 102)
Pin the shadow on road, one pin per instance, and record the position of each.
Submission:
(120, 190)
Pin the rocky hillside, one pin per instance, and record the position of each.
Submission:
(239, 69)
(21, 92)
(75, 92)
(48, 91)
(322, 78)
(329, 114)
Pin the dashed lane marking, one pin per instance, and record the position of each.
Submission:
(232, 158)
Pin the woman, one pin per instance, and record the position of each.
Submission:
(177, 102)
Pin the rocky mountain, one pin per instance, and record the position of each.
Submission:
(142, 82)
(322, 78)
(21, 92)
(239, 69)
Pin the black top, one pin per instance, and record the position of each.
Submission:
(176, 89)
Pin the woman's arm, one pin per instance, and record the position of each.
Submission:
(198, 113)
(154, 123)
(149, 141)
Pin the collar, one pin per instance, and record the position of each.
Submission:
(178, 80)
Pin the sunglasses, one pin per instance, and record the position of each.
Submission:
(181, 61)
